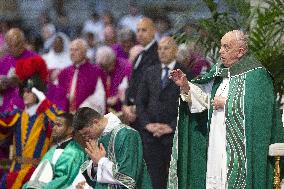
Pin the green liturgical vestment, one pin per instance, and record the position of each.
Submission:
(252, 123)
(63, 170)
(124, 149)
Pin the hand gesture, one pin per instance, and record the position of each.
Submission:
(158, 129)
(219, 102)
(180, 79)
(151, 127)
(129, 113)
(95, 151)
(163, 129)
(39, 94)
(81, 185)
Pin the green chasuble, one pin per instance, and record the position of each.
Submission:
(124, 148)
(65, 169)
(252, 123)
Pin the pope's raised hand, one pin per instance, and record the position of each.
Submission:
(180, 79)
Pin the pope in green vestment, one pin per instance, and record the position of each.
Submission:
(251, 123)
(117, 162)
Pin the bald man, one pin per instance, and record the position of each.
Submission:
(15, 41)
(80, 83)
(149, 56)
(157, 107)
(9, 95)
(231, 151)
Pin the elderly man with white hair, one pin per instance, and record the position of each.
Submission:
(232, 149)
(115, 73)
(80, 84)
(126, 40)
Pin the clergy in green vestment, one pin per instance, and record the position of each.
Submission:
(115, 150)
(231, 150)
(61, 164)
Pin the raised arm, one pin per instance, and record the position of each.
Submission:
(46, 106)
(197, 99)
(122, 166)
(180, 80)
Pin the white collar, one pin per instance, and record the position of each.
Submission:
(78, 65)
(32, 109)
(149, 45)
(171, 66)
(112, 122)
(61, 142)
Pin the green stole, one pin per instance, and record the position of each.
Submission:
(124, 148)
(252, 123)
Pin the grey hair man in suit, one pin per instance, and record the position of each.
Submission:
(157, 107)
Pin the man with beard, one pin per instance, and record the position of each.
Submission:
(61, 164)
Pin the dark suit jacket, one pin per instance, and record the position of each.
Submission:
(157, 105)
(149, 58)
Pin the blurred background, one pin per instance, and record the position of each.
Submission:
(197, 23)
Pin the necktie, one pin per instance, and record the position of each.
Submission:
(165, 78)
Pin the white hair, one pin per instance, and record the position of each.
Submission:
(105, 55)
(182, 53)
(81, 42)
(241, 38)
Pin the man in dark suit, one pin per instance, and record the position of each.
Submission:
(149, 56)
(157, 109)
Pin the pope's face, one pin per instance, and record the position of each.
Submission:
(230, 50)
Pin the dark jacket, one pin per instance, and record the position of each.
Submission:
(156, 104)
(149, 58)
